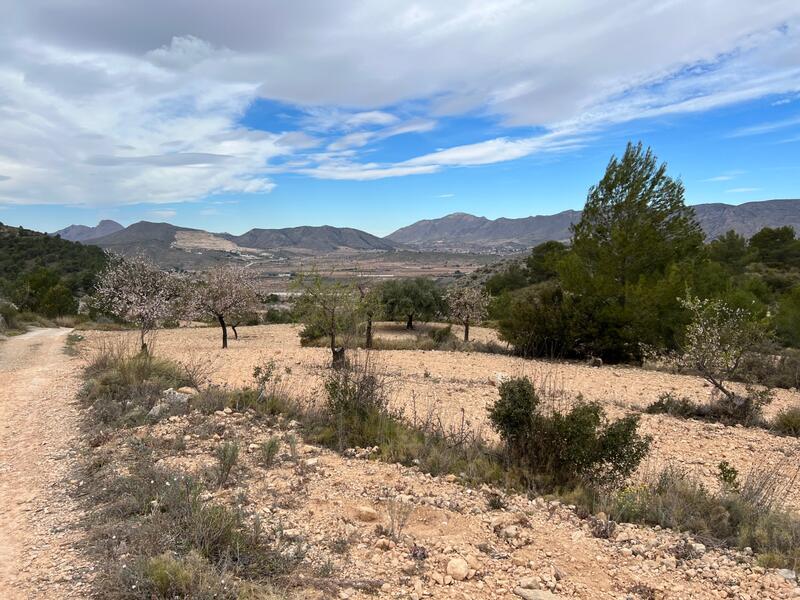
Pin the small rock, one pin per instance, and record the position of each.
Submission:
(787, 574)
(366, 514)
(529, 583)
(698, 548)
(534, 594)
(458, 569)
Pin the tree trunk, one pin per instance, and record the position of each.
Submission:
(368, 341)
(221, 320)
(339, 361)
(144, 344)
(235, 335)
(466, 331)
(410, 322)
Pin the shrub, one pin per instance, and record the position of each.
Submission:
(745, 409)
(787, 421)
(357, 404)
(154, 514)
(441, 335)
(122, 387)
(269, 450)
(227, 455)
(772, 367)
(668, 404)
(746, 515)
(8, 316)
(565, 448)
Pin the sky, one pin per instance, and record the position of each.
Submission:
(374, 114)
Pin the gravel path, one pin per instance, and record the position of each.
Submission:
(39, 537)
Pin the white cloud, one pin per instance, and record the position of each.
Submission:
(123, 102)
(763, 128)
(742, 190)
(445, 196)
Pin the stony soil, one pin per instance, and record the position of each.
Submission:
(341, 511)
(531, 549)
(40, 539)
(450, 382)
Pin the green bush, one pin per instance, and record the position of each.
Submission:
(121, 388)
(743, 514)
(153, 513)
(538, 321)
(8, 316)
(787, 421)
(441, 335)
(227, 454)
(565, 448)
(269, 450)
(668, 404)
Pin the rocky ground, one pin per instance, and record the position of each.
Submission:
(452, 382)
(369, 529)
(409, 535)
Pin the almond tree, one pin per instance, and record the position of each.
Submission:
(466, 305)
(328, 308)
(137, 291)
(223, 293)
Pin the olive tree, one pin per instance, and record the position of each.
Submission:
(137, 291)
(466, 305)
(410, 299)
(226, 292)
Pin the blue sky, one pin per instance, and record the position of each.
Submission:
(374, 116)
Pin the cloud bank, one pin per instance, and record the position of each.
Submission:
(115, 102)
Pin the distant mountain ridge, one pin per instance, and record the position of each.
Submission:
(321, 239)
(83, 233)
(462, 232)
(176, 246)
(183, 247)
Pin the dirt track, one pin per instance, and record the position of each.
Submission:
(38, 417)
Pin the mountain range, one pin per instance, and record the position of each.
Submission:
(460, 231)
(457, 232)
(83, 233)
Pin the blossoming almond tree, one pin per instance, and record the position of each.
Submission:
(466, 305)
(137, 291)
(223, 293)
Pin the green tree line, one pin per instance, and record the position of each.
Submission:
(637, 251)
(45, 274)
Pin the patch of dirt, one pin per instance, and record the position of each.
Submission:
(40, 539)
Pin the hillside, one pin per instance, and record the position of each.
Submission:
(320, 239)
(23, 250)
(84, 233)
(184, 248)
(461, 231)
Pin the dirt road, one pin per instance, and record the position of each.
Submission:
(39, 536)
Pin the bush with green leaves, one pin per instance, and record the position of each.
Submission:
(787, 421)
(746, 513)
(669, 404)
(538, 321)
(563, 448)
(227, 455)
